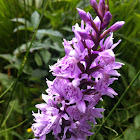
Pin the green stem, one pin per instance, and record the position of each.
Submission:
(25, 23)
(11, 128)
(16, 5)
(93, 136)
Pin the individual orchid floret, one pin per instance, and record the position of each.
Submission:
(108, 43)
(66, 67)
(102, 86)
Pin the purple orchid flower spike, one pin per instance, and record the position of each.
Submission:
(83, 77)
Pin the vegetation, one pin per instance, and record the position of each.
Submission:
(21, 88)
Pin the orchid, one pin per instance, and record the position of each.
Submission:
(83, 76)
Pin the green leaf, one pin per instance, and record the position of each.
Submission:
(35, 46)
(45, 56)
(43, 32)
(14, 63)
(21, 20)
(55, 17)
(118, 138)
(38, 3)
(38, 73)
(131, 71)
(137, 121)
(56, 47)
(21, 49)
(35, 17)
(12, 103)
(16, 106)
(38, 59)
(27, 69)
(17, 135)
(7, 57)
(38, 46)
(66, 28)
(57, 40)
(22, 27)
(99, 137)
(28, 2)
(2, 101)
(5, 80)
(132, 134)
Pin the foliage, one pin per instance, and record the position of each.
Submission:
(17, 26)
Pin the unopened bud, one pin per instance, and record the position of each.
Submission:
(83, 15)
(102, 7)
(117, 26)
(94, 4)
(107, 17)
(106, 8)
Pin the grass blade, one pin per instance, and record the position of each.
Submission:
(11, 128)
(6, 90)
(8, 115)
(10, 98)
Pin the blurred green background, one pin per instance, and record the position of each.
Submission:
(18, 21)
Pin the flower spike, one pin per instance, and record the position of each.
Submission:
(82, 78)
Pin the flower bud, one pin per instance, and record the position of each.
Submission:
(83, 15)
(117, 26)
(102, 7)
(107, 17)
(94, 4)
(106, 8)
